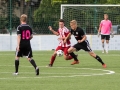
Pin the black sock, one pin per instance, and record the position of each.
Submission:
(99, 59)
(74, 56)
(33, 63)
(16, 65)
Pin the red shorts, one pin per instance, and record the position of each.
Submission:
(64, 49)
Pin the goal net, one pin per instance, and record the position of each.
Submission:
(89, 16)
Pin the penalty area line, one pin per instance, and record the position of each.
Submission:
(59, 75)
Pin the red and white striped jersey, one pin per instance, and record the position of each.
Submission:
(63, 32)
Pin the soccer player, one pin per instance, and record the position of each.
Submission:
(62, 33)
(82, 42)
(105, 28)
(24, 35)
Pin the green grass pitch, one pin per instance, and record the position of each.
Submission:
(88, 75)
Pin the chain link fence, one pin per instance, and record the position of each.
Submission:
(90, 16)
(41, 14)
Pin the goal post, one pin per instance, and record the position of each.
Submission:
(89, 16)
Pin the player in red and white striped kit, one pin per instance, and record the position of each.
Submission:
(62, 33)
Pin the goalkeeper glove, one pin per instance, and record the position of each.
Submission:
(98, 34)
(112, 35)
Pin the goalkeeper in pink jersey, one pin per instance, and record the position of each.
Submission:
(105, 29)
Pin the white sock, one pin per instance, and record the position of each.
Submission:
(107, 46)
(103, 46)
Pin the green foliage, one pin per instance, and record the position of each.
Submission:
(3, 22)
(47, 14)
(47, 11)
(113, 1)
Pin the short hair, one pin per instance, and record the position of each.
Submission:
(23, 17)
(61, 20)
(73, 22)
(106, 14)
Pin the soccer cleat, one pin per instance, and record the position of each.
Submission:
(103, 51)
(75, 62)
(104, 65)
(37, 71)
(49, 65)
(106, 52)
(15, 73)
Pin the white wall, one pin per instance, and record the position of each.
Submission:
(49, 42)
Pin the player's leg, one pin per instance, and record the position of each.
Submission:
(89, 50)
(107, 42)
(66, 54)
(71, 50)
(97, 58)
(16, 65)
(103, 45)
(53, 57)
(17, 55)
(32, 61)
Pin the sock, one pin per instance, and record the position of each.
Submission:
(103, 46)
(99, 59)
(16, 65)
(74, 56)
(107, 46)
(52, 60)
(69, 57)
(33, 63)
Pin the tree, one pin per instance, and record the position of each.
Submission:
(46, 11)
(113, 1)
(22, 2)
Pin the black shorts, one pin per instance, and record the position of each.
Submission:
(106, 37)
(24, 51)
(85, 46)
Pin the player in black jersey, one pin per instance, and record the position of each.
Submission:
(82, 42)
(24, 35)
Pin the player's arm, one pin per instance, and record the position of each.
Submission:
(67, 38)
(99, 30)
(53, 31)
(31, 36)
(18, 38)
(18, 41)
(111, 29)
(63, 38)
(83, 39)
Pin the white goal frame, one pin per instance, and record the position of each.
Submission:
(82, 5)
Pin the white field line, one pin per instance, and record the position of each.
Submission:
(60, 75)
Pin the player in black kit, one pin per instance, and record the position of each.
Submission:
(82, 42)
(24, 35)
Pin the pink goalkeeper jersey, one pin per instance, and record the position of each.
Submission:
(105, 27)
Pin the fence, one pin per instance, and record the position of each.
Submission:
(41, 14)
(89, 16)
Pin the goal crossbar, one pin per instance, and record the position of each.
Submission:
(82, 5)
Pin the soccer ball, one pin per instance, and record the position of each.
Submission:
(59, 53)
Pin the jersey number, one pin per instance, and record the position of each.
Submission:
(26, 34)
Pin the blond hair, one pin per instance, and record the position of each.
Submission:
(106, 14)
(73, 22)
(23, 18)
